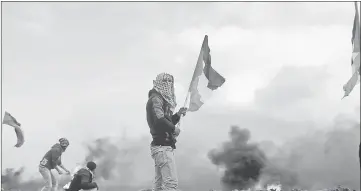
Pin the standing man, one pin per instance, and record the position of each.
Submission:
(52, 160)
(161, 121)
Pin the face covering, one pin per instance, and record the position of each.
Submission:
(164, 84)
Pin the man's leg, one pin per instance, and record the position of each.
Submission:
(54, 182)
(158, 181)
(168, 170)
(158, 162)
(46, 174)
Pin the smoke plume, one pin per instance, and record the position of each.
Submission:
(12, 179)
(126, 164)
(105, 154)
(243, 161)
(121, 164)
(318, 160)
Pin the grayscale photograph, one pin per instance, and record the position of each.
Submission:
(180, 96)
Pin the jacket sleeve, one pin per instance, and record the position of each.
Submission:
(55, 155)
(59, 161)
(175, 119)
(160, 121)
(85, 184)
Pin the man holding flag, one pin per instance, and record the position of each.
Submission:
(161, 121)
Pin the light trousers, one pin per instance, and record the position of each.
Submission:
(51, 182)
(165, 168)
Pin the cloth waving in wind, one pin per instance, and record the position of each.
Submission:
(355, 60)
(11, 121)
(205, 79)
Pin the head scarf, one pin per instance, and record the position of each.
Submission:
(164, 84)
(64, 142)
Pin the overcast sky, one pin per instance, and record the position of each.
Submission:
(83, 70)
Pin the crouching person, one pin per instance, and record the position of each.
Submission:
(83, 179)
(50, 161)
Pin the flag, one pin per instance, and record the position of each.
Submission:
(355, 60)
(203, 72)
(11, 121)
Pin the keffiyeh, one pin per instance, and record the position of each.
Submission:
(164, 84)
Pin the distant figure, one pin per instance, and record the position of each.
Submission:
(52, 160)
(83, 179)
(161, 121)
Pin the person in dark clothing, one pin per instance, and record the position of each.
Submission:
(52, 160)
(83, 179)
(162, 124)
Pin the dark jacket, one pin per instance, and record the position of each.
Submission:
(161, 120)
(53, 157)
(83, 179)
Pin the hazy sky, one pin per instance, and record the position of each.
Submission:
(83, 70)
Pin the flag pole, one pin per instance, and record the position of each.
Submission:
(359, 21)
(186, 105)
(358, 11)
(199, 57)
(358, 17)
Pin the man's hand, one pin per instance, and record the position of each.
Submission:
(58, 169)
(176, 131)
(96, 185)
(182, 111)
(67, 171)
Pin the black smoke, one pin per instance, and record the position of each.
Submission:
(105, 154)
(317, 160)
(243, 161)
